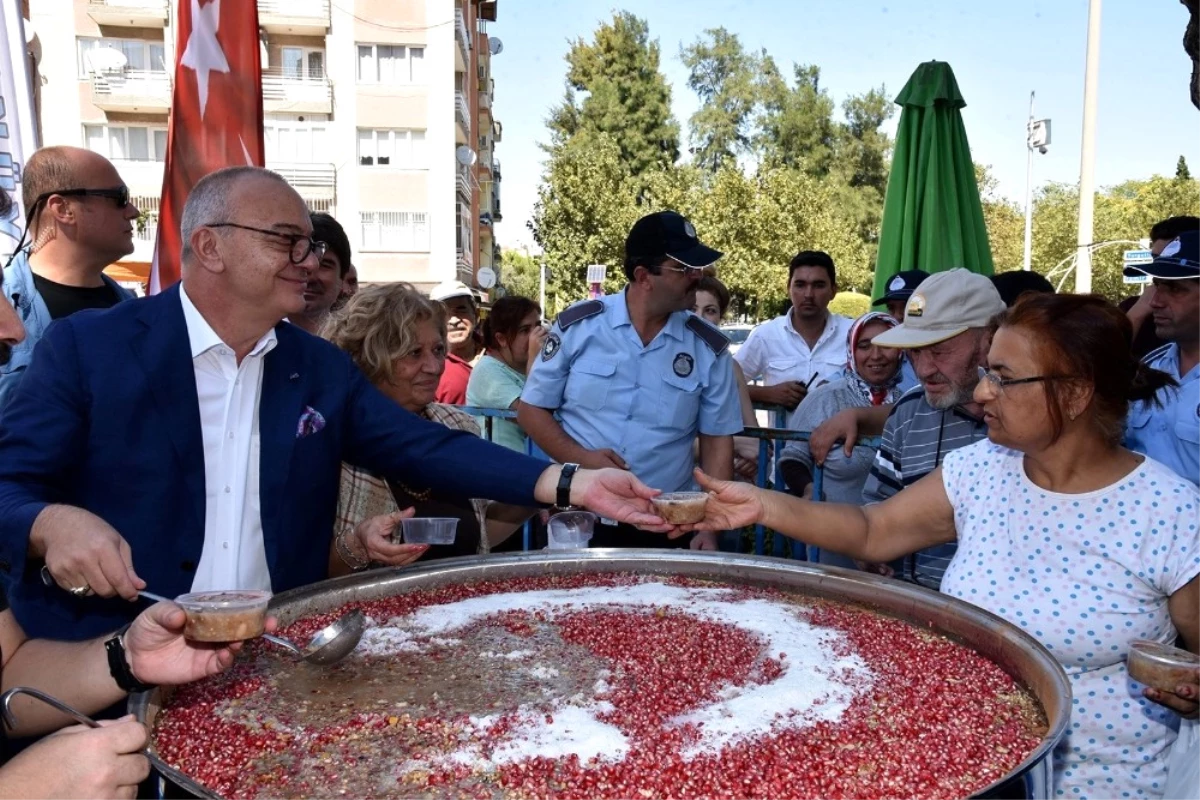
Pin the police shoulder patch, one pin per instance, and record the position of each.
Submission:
(711, 336)
(579, 311)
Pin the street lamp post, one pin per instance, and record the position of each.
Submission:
(1037, 137)
(1087, 155)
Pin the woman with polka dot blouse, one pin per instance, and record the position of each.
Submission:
(1063, 532)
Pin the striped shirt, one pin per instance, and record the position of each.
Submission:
(915, 440)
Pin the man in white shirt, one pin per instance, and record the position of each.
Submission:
(804, 347)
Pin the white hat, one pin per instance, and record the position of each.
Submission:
(943, 306)
(448, 289)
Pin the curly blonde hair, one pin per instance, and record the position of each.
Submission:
(379, 323)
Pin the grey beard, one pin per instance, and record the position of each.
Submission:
(959, 396)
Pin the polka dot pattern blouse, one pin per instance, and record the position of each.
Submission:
(1085, 575)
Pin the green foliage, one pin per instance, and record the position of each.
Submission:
(723, 75)
(519, 274)
(1124, 212)
(1181, 169)
(615, 88)
(1005, 223)
(850, 304)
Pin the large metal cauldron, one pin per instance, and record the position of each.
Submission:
(1015, 652)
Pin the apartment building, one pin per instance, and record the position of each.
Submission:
(377, 111)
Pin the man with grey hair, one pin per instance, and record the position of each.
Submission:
(80, 220)
(947, 331)
(197, 436)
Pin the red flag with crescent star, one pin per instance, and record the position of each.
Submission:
(216, 112)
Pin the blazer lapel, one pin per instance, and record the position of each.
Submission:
(164, 352)
(279, 413)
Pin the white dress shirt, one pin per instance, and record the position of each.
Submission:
(234, 556)
(776, 352)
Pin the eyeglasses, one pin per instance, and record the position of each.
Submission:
(999, 384)
(119, 195)
(299, 246)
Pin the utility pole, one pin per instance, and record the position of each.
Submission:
(1037, 137)
(1087, 155)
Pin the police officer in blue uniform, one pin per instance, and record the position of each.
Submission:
(635, 377)
(1170, 433)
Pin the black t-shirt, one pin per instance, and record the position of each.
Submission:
(63, 301)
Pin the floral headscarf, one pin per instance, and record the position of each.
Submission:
(875, 395)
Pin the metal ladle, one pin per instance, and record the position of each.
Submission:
(10, 719)
(331, 644)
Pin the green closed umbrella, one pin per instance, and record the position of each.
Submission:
(932, 217)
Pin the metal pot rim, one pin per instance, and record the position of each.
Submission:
(1012, 649)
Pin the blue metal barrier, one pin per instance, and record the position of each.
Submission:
(768, 465)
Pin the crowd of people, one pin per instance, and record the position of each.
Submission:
(266, 424)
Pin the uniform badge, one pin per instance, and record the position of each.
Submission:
(896, 284)
(916, 306)
(683, 365)
(689, 229)
(551, 347)
(1171, 249)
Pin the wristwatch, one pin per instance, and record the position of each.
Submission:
(563, 497)
(118, 664)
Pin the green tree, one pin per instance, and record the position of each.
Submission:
(1181, 169)
(519, 274)
(1123, 215)
(614, 87)
(585, 207)
(1005, 223)
(723, 75)
(796, 127)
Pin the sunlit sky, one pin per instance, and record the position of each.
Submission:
(999, 53)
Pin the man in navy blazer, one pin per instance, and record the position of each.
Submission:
(103, 451)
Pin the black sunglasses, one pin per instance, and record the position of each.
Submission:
(119, 195)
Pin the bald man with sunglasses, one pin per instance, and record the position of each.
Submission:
(79, 219)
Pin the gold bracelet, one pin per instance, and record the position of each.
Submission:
(347, 556)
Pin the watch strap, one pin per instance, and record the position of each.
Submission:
(118, 664)
(563, 496)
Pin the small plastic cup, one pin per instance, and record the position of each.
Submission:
(570, 530)
(429, 530)
(224, 615)
(680, 508)
(1161, 666)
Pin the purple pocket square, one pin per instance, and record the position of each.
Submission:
(311, 422)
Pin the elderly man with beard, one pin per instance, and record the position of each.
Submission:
(947, 330)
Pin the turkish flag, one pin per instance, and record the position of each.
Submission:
(216, 112)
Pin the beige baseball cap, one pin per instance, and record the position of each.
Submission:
(942, 307)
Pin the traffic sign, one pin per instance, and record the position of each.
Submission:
(1137, 258)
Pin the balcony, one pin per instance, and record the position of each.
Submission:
(129, 13)
(131, 90)
(144, 179)
(462, 38)
(485, 104)
(314, 182)
(462, 182)
(292, 93)
(462, 118)
(294, 17)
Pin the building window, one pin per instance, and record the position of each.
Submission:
(390, 64)
(126, 142)
(291, 140)
(127, 55)
(395, 230)
(401, 149)
(302, 63)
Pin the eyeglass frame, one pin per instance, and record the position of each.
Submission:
(118, 194)
(314, 245)
(1000, 384)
